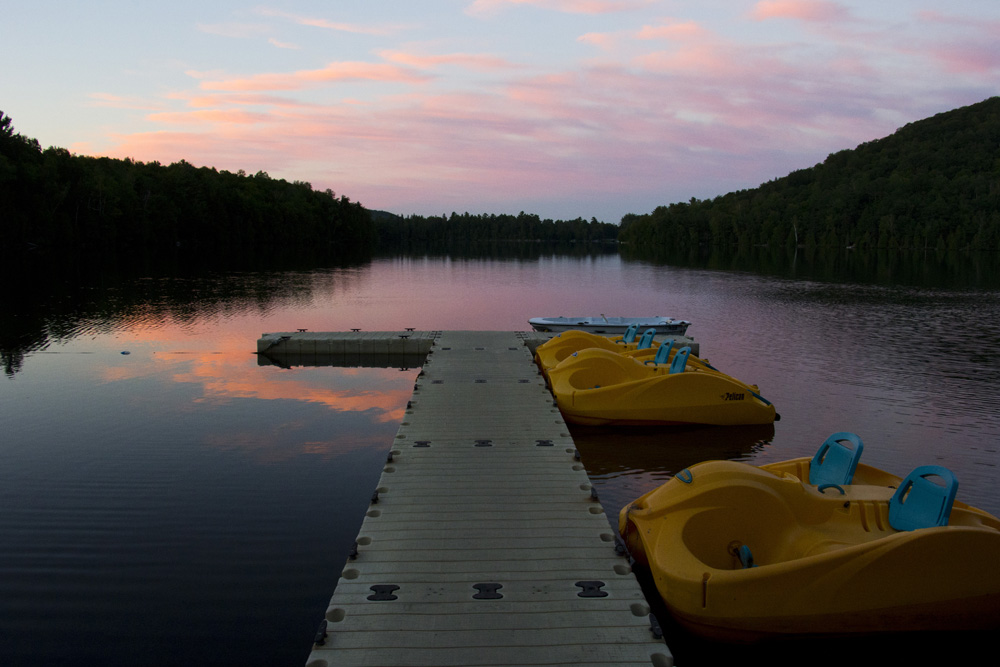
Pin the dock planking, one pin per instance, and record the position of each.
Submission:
(484, 543)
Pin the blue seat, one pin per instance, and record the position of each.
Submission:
(662, 353)
(920, 502)
(835, 462)
(680, 360)
(629, 334)
(646, 341)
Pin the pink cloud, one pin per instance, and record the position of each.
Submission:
(123, 102)
(474, 61)
(968, 58)
(599, 39)
(282, 45)
(377, 30)
(228, 117)
(489, 7)
(237, 30)
(801, 10)
(334, 72)
(226, 99)
(672, 30)
(961, 45)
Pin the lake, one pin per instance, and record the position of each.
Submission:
(166, 499)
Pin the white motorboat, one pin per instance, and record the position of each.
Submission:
(610, 325)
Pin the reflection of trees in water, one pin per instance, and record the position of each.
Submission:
(52, 299)
(916, 268)
(500, 250)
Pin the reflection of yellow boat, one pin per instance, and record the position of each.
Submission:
(741, 552)
(597, 386)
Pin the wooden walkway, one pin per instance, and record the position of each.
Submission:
(483, 543)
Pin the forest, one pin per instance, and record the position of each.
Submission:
(52, 199)
(933, 184)
(398, 232)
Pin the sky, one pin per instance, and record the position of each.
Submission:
(563, 108)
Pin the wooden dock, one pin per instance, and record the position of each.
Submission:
(484, 543)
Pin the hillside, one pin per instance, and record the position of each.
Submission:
(934, 183)
(52, 199)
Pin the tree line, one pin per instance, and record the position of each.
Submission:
(933, 184)
(394, 231)
(53, 199)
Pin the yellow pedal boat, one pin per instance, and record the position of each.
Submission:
(563, 345)
(599, 387)
(644, 348)
(743, 553)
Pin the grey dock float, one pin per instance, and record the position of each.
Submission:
(484, 543)
(384, 349)
(345, 348)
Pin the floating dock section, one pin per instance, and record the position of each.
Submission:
(484, 543)
(381, 349)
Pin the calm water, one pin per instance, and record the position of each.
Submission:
(166, 500)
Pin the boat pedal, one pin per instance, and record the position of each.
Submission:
(383, 592)
(591, 589)
(654, 627)
(320, 637)
(487, 591)
(620, 548)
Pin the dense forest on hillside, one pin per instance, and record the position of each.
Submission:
(52, 199)
(396, 232)
(933, 184)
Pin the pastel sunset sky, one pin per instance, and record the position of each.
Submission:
(565, 108)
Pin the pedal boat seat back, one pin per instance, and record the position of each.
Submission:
(836, 460)
(629, 335)
(921, 502)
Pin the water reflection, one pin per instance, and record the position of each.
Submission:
(624, 463)
(166, 500)
(918, 268)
